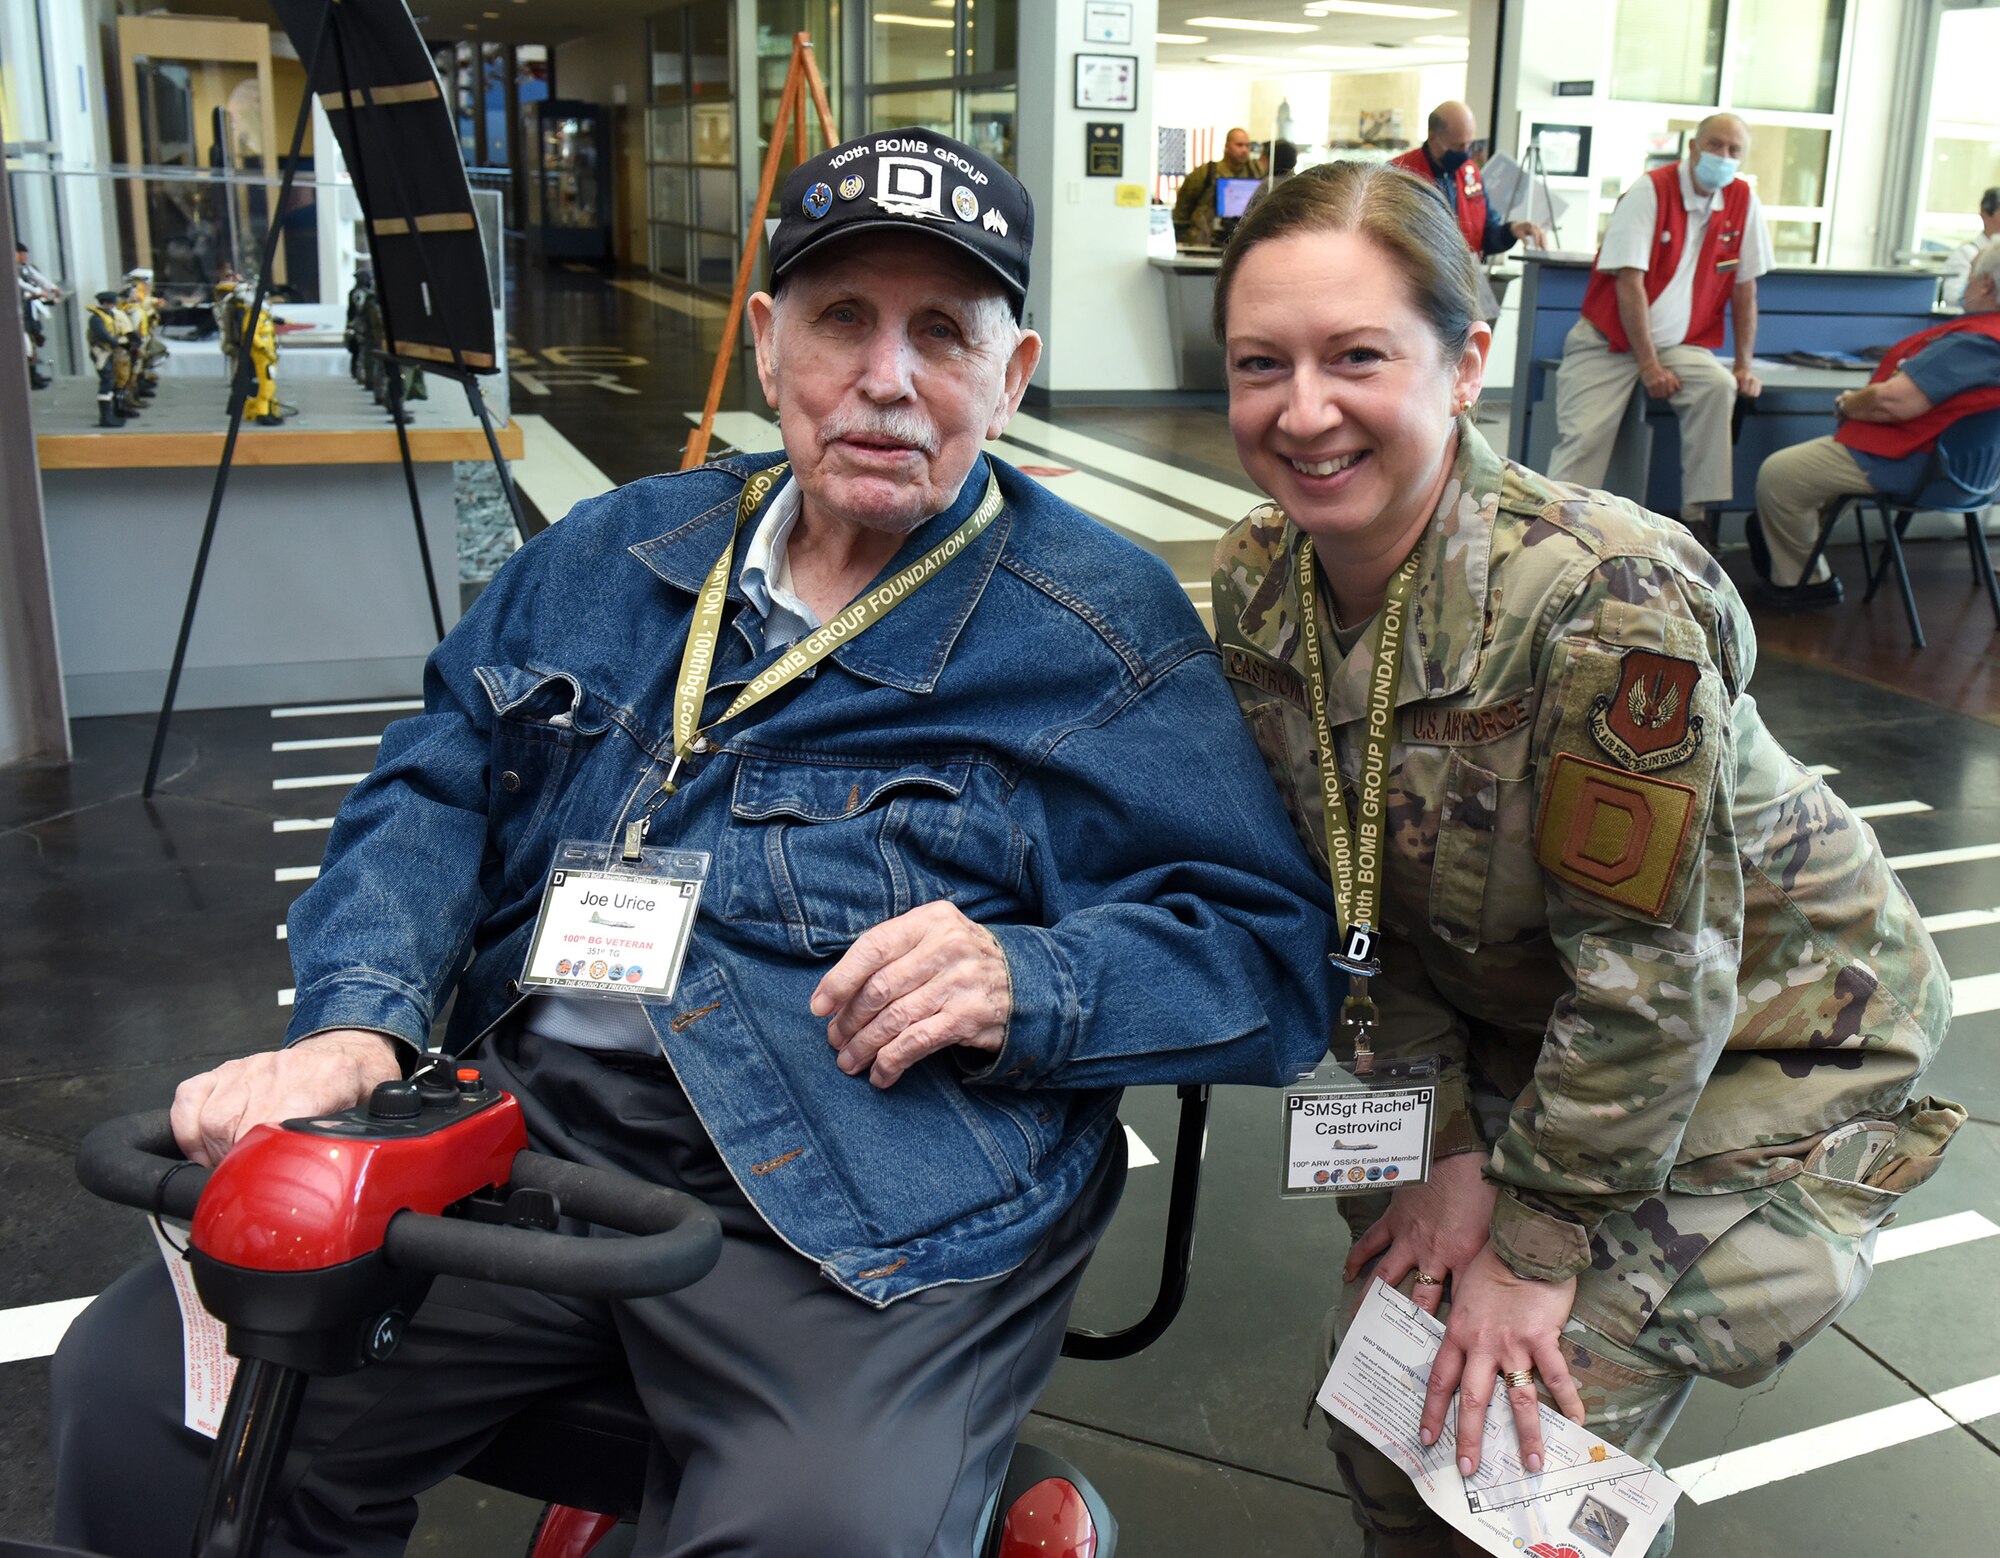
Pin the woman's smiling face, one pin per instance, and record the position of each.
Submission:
(1340, 398)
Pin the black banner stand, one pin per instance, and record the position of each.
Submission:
(329, 29)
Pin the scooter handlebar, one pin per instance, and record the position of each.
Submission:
(675, 1241)
(135, 1161)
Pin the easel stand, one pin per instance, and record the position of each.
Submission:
(1537, 175)
(801, 76)
(329, 31)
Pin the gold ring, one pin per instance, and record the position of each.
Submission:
(1516, 1378)
(1426, 1280)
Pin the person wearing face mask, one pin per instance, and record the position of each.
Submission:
(1445, 158)
(1678, 1004)
(1887, 430)
(1686, 245)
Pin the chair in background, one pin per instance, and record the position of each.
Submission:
(1963, 477)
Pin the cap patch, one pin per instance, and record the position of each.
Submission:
(818, 201)
(995, 222)
(852, 185)
(909, 186)
(965, 203)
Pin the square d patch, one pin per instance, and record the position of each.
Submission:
(1618, 836)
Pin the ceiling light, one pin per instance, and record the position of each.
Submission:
(1270, 61)
(1419, 13)
(1178, 37)
(912, 21)
(1237, 24)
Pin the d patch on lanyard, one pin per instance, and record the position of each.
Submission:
(614, 926)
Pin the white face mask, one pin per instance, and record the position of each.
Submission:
(1713, 172)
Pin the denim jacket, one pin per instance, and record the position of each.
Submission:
(1041, 735)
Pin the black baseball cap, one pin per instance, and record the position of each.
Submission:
(905, 179)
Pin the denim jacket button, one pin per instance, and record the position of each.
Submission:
(510, 781)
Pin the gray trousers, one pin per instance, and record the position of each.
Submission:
(790, 1417)
(1595, 386)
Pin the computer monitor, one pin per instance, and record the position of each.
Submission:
(1232, 196)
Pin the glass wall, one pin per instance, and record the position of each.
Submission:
(777, 21)
(1962, 153)
(949, 66)
(692, 188)
(1773, 63)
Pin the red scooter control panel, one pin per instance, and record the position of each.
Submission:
(320, 1191)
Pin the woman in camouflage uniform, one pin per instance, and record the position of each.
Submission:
(1680, 999)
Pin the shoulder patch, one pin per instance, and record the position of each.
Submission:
(1615, 835)
(1270, 676)
(1648, 723)
(1428, 726)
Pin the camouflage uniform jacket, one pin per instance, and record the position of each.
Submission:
(1606, 885)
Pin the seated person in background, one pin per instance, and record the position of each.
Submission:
(991, 844)
(1684, 243)
(1958, 264)
(1923, 385)
(1195, 216)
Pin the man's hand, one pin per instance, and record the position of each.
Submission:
(329, 1071)
(1500, 1323)
(912, 986)
(1529, 232)
(1437, 1228)
(1660, 380)
(1748, 385)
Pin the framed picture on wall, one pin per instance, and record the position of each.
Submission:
(1108, 83)
(1565, 149)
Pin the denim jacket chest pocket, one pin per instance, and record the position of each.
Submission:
(542, 720)
(823, 851)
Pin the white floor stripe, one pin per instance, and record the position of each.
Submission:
(317, 781)
(1936, 1233)
(1890, 809)
(296, 874)
(327, 743)
(1961, 919)
(1824, 770)
(283, 934)
(1755, 1466)
(285, 997)
(33, 1330)
(1137, 1153)
(386, 706)
(1944, 857)
(692, 304)
(553, 471)
(1980, 993)
(1227, 501)
(1133, 512)
(300, 824)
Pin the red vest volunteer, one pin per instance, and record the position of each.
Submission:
(1466, 191)
(1898, 440)
(1718, 261)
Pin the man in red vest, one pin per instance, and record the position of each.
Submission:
(1923, 385)
(1685, 244)
(1445, 159)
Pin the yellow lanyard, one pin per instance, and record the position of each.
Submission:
(1354, 849)
(698, 658)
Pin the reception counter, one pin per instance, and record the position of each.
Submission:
(1190, 282)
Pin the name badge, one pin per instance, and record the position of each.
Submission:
(1727, 264)
(612, 927)
(1351, 1140)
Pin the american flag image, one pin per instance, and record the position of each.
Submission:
(1181, 152)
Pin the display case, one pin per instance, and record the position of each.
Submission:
(572, 180)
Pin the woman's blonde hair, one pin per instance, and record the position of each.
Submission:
(1401, 213)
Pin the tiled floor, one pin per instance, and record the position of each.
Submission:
(139, 941)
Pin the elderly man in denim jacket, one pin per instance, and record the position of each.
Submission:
(978, 861)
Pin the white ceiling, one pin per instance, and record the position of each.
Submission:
(1350, 42)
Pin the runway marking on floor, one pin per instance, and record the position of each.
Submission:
(553, 472)
(1792, 1455)
(1961, 919)
(1890, 809)
(1979, 993)
(1226, 501)
(283, 933)
(318, 781)
(1935, 1233)
(300, 824)
(296, 874)
(285, 997)
(1132, 512)
(1944, 857)
(381, 706)
(1137, 1153)
(692, 304)
(327, 743)
(33, 1330)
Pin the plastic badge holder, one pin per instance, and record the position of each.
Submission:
(613, 927)
(1349, 1136)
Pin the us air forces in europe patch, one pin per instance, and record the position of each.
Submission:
(1633, 767)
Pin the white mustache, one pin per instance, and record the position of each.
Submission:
(893, 426)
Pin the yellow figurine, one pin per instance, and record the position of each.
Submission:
(262, 406)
